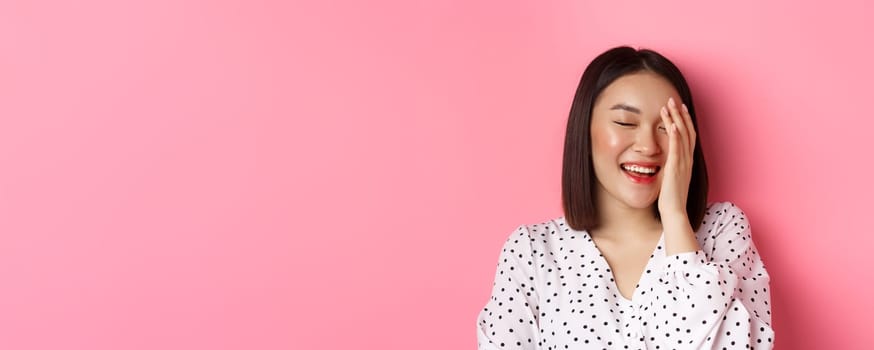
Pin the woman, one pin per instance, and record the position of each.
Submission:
(640, 260)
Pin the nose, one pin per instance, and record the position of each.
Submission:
(646, 143)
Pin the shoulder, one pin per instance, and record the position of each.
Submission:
(720, 216)
(721, 207)
(725, 232)
(541, 237)
(542, 228)
(552, 227)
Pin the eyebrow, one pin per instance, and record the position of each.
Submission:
(625, 107)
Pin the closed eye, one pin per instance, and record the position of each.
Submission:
(624, 124)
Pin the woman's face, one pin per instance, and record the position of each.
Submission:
(629, 141)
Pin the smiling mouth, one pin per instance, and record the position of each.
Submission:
(641, 171)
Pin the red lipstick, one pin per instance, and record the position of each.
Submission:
(638, 178)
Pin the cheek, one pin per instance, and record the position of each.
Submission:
(663, 141)
(606, 148)
(606, 142)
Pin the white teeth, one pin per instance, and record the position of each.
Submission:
(639, 169)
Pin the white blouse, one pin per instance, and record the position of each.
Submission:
(554, 290)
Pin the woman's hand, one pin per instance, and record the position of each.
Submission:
(679, 236)
(678, 166)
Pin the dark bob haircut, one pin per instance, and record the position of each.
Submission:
(578, 187)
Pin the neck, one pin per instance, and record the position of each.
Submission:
(621, 222)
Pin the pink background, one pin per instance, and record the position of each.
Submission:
(341, 175)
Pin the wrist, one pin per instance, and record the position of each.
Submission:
(676, 222)
(679, 235)
(672, 216)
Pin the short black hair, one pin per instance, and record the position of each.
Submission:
(578, 172)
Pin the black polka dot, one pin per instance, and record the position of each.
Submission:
(715, 297)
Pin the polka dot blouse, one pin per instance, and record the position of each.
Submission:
(554, 290)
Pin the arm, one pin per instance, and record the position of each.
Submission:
(510, 318)
(721, 300)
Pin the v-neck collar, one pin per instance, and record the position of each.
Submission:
(650, 264)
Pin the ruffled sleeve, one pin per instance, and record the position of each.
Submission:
(715, 300)
(510, 318)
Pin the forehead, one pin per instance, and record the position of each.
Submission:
(645, 90)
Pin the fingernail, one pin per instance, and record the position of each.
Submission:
(671, 102)
(664, 110)
(685, 108)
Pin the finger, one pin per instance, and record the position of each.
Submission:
(666, 120)
(676, 117)
(672, 136)
(693, 136)
(681, 128)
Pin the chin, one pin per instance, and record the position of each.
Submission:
(640, 203)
